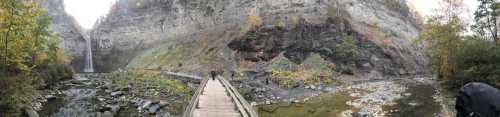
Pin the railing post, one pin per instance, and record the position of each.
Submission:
(188, 112)
(245, 108)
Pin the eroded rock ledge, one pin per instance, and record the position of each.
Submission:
(297, 44)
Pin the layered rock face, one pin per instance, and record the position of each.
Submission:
(66, 29)
(135, 25)
(381, 29)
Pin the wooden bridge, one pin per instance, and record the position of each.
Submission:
(216, 98)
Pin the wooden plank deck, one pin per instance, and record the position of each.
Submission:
(215, 102)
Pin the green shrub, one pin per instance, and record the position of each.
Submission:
(347, 48)
(283, 77)
(17, 92)
(477, 61)
(280, 23)
(313, 70)
(51, 73)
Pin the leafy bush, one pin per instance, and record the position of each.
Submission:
(311, 71)
(284, 78)
(280, 23)
(17, 92)
(54, 65)
(347, 48)
(52, 73)
(477, 61)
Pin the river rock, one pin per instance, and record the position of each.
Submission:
(113, 108)
(50, 97)
(167, 114)
(268, 102)
(101, 99)
(107, 114)
(296, 83)
(312, 87)
(328, 89)
(154, 108)
(76, 82)
(146, 104)
(103, 87)
(83, 79)
(116, 93)
(253, 104)
(413, 103)
(31, 113)
(135, 101)
(37, 105)
(356, 114)
(407, 94)
(163, 103)
(104, 108)
(320, 88)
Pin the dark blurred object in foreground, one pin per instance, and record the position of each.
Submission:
(478, 100)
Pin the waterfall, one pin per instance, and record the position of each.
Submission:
(88, 55)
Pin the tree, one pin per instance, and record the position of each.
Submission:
(28, 52)
(23, 34)
(253, 19)
(442, 41)
(486, 20)
(442, 36)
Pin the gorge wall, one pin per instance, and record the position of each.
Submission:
(67, 30)
(147, 34)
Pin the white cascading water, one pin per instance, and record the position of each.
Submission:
(89, 68)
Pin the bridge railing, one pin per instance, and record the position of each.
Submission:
(244, 107)
(189, 110)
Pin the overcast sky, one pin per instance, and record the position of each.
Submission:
(426, 7)
(87, 12)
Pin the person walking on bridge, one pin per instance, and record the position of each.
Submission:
(212, 73)
(232, 75)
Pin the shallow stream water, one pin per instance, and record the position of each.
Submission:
(418, 102)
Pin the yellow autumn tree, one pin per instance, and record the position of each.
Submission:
(28, 53)
(442, 35)
(253, 19)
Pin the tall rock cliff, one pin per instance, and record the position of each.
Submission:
(201, 34)
(67, 29)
